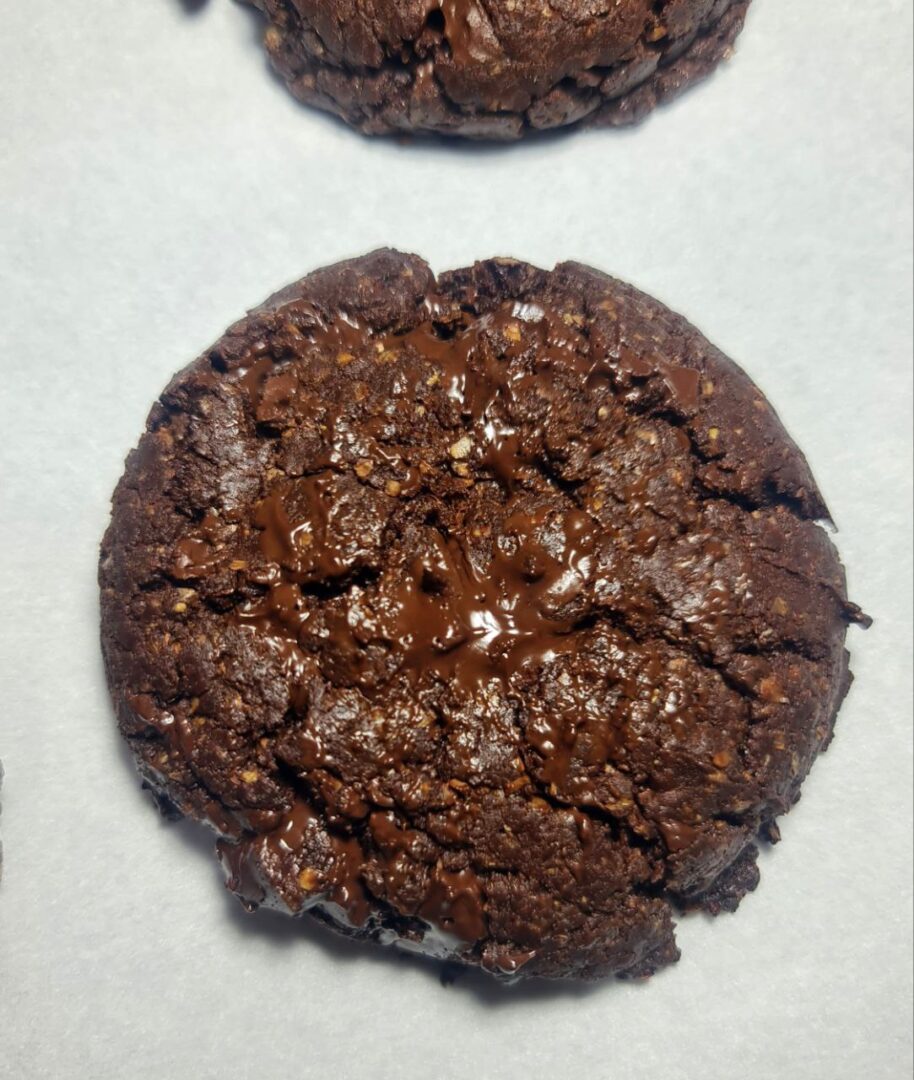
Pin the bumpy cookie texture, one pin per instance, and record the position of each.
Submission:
(495, 69)
(486, 615)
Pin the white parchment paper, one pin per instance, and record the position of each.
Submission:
(155, 181)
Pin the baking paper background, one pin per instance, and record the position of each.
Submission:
(155, 181)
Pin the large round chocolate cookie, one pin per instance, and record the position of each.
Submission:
(487, 615)
(495, 68)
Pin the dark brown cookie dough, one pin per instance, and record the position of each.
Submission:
(487, 615)
(495, 69)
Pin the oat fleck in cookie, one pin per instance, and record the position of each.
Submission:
(486, 615)
(495, 69)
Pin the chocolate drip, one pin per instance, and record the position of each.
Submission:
(446, 611)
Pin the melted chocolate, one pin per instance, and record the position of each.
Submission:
(449, 614)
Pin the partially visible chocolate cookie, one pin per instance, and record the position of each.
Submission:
(485, 615)
(496, 69)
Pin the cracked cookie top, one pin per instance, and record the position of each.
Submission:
(486, 614)
(491, 68)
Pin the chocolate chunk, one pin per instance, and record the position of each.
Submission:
(487, 615)
(495, 70)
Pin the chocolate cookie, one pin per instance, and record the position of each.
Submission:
(485, 615)
(495, 70)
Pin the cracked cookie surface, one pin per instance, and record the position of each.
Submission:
(487, 615)
(495, 69)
